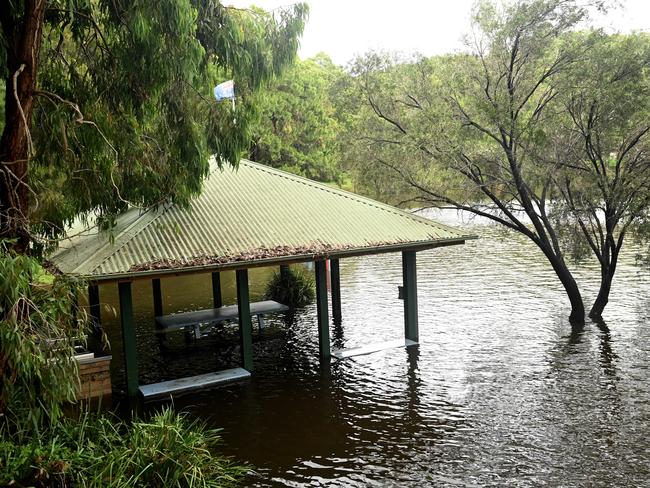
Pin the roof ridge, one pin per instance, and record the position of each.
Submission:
(346, 194)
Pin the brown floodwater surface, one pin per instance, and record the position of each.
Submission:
(500, 391)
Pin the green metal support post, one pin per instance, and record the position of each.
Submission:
(322, 312)
(245, 323)
(95, 342)
(128, 338)
(410, 296)
(217, 301)
(335, 278)
(93, 302)
(284, 271)
(157, 297)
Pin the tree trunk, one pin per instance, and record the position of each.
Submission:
(577, 316)
(23, 46)
(606, 278)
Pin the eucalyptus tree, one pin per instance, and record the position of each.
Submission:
(108, 103)
(298, 128)
(466, 130)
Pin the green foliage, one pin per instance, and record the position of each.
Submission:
(38, 331)
(293, 288)
(38, 445)
(102, 451)
(603, 168)
(298, 128)
(374, 151)
(124, 112)
(541, 121)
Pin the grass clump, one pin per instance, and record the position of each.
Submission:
(99, 450)
(291, 287)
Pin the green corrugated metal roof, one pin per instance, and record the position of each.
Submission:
(249, 216)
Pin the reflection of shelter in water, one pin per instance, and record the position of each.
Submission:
(251, 217)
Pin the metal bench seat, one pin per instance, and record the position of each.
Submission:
(213, 316)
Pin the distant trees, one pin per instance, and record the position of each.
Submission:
(110, 103)
(541, 129)
(298, 129)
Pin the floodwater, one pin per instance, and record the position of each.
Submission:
(500, 391)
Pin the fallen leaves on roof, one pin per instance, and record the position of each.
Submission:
(313, 250)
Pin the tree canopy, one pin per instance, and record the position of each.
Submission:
(541, 128)
(109, 104)
(299, 129)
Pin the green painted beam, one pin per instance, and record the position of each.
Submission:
(217, 300)
(322, 312)
(157, 297)
(335, 278)
(128, 338)
(409, 274)
(245, 323)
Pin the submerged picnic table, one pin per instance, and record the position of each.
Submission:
(213, 316)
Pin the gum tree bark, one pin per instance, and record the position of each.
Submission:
(23, 37)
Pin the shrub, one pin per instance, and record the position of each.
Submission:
(293, 288)
(38, 331)
(99, 450)
(39, 326)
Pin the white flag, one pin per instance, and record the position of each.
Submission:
(225, 90)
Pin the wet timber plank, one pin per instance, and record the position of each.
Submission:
(370, 348)
(182, 385)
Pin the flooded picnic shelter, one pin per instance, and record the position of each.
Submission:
(252, 216)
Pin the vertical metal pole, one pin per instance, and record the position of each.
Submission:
(410, 296)
(245, 323)
(128, 338)
(94, 342)
(321, 311)
(74, 307)
(93, 302)
(335, 275)
(217, 300)
(157, 297)
(284, 271)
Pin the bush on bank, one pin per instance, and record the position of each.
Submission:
(39, 445)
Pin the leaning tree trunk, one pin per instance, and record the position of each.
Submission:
(23, 43)
(606, 278)
(609, 260)
(607, 271)
(577, 316)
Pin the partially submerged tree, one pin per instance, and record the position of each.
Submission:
(474, 125)
(110, 103)
(603, 149)
(541, 129)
